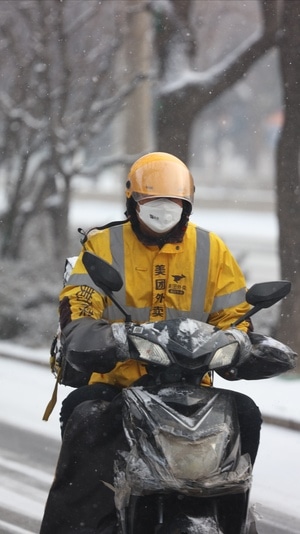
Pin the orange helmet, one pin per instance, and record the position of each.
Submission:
(159, 174)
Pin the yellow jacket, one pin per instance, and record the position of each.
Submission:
(197, 278)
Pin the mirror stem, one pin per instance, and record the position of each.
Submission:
(126, 315)
(251, 312)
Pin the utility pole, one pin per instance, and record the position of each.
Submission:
(138, 53)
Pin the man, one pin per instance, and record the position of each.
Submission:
(171, 268)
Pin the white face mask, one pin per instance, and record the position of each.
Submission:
(160, 215)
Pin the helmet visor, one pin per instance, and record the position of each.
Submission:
(140, 196)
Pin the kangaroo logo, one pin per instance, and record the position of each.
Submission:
(178, 277)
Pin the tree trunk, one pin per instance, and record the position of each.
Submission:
(59, 217)
(176, 114)
(288, 183)
(139, 130)
(177, 109)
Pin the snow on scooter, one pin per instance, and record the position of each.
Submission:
(184, 471)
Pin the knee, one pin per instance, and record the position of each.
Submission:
(246, 405)
(74, 399)
(248, 411)
(85, 393)
(87, 424)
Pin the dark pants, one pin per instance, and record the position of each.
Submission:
(98, 391)
(79, 500)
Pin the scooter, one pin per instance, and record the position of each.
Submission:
(184, 471)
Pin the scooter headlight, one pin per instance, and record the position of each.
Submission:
(224, 356)
(149, 351)
(193, 460)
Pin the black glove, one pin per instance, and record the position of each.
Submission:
(94, 345)
(268, 358)
(260, 357)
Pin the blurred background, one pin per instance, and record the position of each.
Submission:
(87, 87)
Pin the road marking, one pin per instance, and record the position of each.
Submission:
(31, 505)
(25, 470)
(8, 528)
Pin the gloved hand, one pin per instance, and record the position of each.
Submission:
(94, 345)
(245, 345)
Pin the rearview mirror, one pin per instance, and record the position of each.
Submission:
(268, 293)
(101, 272)
(264, 295)
(106, 277)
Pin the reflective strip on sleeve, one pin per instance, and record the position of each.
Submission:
(227, 301)
(83, 279)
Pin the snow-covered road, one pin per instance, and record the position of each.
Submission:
(26, 388)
